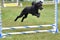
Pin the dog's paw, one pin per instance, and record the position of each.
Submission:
(38, 16)
(14, 20)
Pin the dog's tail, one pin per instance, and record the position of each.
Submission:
(33, 3)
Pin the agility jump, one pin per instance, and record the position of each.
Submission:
(53, 30)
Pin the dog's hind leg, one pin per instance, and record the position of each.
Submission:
(21, 15)
(25, 16)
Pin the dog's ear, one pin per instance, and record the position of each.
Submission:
(33, 3)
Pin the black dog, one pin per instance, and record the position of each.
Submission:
(31, 10)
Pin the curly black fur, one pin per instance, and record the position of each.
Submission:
(31, 10)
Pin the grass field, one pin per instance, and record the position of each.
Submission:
(47, 17)
(10, 13)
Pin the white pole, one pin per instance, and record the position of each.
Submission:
(56, 17)
(21, 4)
(17, 2)
(1, 24)
(2, 3)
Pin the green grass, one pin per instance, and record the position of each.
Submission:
(47, 17)
(10, 13)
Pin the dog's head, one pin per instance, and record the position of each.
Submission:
(39, 5)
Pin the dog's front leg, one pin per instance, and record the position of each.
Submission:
(37, 14)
